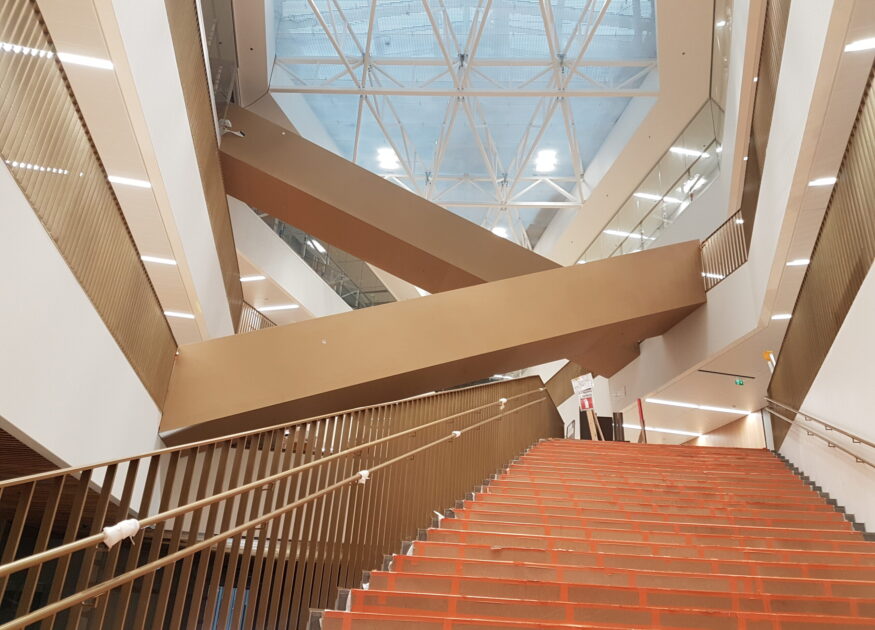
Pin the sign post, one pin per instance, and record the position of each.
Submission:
(583, 386)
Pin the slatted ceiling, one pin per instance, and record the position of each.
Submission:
(842, 256)
(40, 125)
(186, 35)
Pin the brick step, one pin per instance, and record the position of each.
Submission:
(703, 492)
(813, 520)
(763, 540)
(599, 462)
(635, 578)
(620, 616)
(575, 471)
(602, 493)
(574, 522)
(596, 594)
(564, 557)
(666, 506)
(794, 488)
(336, 620)
(846, 553)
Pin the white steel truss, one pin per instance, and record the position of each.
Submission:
(505, 184)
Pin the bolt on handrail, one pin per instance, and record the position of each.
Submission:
(829, 427)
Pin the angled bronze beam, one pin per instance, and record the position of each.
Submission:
(299, 182)
(406, 348)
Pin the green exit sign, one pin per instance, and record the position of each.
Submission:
(739, 381)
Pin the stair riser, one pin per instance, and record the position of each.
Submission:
(487, 502)
(643, 563)
(557, 464)
(552, 523)
(858, 553)
(635, 579)
(666, 506)
(649, 475)
(645, 608)
(793, 489)
(827, 520)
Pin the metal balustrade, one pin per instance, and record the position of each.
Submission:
(252, 530)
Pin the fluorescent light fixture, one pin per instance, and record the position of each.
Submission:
(799, 262)
(629, 234)
(822, 181)
(545, 161)
(251, 278)
(652, 197)
(128, 181)
(658, 430)
(690, 152)
(500, 231)
(312, 242)
(676, 403)
(178, 314)
(158, 259)
(861, 44)
(387, 158)
(581, 262)
(81, 60)
(279, 307)
(720, 24)
(715, 276)
(780, 316)
(503, 376)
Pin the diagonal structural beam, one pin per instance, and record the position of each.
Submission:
(405, 348)
(288, 177)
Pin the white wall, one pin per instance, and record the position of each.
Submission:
(65, 386)
(842, 395)
(274, 258)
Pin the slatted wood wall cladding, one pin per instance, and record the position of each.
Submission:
(843, 254)
(771, 54)
(188, 46)
(46, 146)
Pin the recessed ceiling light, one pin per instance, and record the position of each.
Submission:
(861, 44)
(755, 79)
(178, 314)
(799, 262)
(500, 231)
(652, 197)
(690, 152)
(659, 430)
(81, 60)
(822, 181)
(720, 24)
(388, 159)
(158, 259)
(739, 221)
(312, 242)
(27, 166)
(279, 307)
(745, 158)
(780, 316)
(628, 234)
(127, 181)
(251, 278)
(676, 403)
(545, 161)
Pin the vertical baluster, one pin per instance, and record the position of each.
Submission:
(42, 540)
(13, 538)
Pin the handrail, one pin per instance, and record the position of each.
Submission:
(856, 439)
(100, 589)
(830, 442)
(256, 530)
(96, 539)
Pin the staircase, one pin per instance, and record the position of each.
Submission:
(612, 535)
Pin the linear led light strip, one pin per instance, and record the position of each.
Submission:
(658, 430)
(79, 60)
(36, 167)
(676, 403)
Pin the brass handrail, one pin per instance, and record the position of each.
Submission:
(856, 439)
(151, 567)
(257, 529)
(830, 442)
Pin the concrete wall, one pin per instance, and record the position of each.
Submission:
(842, 395)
